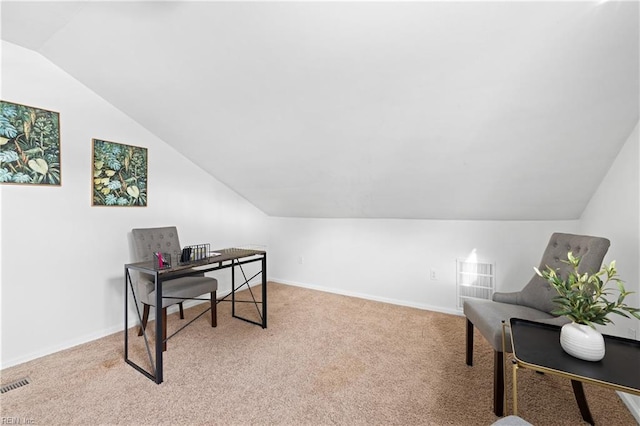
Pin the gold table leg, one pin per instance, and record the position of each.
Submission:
(504, 361)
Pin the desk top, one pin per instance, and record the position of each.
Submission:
(538, 345)
(220, 256)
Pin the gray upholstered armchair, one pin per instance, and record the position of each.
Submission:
(534, 302)
(147, 241)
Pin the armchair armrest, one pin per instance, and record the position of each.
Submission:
(511, 298)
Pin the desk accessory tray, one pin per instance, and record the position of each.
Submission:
(194, 253)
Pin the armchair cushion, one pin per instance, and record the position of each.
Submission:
(538, 293)
(487, 317)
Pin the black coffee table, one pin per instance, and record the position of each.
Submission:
(537, 346)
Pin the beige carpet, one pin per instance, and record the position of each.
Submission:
(324, 359)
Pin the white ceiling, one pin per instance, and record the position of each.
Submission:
(436, 110)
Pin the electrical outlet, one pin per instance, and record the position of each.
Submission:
(432, 274)
(301, 260)
(631, 333)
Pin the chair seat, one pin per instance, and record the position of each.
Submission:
(185, 287)
(487, 317)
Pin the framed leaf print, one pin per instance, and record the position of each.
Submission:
(119, 174)
(29, 145)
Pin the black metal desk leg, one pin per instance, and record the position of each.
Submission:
(126, 313)
(578, 391)
(264, 291)
(159, 325)
(233, 288)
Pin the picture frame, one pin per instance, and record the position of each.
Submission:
(119, 174)
(29, 145)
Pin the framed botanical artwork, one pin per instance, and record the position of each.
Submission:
(29, 145)
(119, 174)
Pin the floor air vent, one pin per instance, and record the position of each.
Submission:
(15, 385)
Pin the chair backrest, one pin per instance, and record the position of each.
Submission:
(147, 241)
(538, 293)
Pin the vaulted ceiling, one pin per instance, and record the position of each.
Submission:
(435, 110)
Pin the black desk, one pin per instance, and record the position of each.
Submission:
(227, 258)
(537, 346)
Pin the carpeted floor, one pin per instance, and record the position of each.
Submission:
(324, 359)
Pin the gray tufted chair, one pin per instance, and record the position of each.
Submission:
(534, 302)
(146, 241)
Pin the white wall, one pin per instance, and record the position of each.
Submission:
(62, 260)
(390, 260)
(614, 212)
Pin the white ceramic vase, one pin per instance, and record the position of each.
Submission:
(582, 341)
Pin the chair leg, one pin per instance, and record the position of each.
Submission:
(145, 318)
(498, 383)
(469, 342)
(214, 309)
(181, 310)
(164, 329)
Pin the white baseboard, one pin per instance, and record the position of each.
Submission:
(133, 322)
(366, 296)
(633, 404)
(59, 347)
